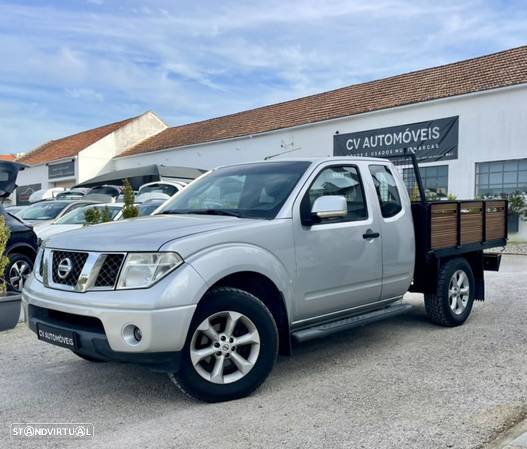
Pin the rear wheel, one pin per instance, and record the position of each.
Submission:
(230, 349)
(452, 303)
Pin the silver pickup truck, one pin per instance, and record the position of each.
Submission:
(252, 257)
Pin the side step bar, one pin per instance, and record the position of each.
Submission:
(348, 323)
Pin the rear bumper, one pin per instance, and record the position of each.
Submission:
(92, 342)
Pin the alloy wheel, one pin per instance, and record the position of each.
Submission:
(458, 292)
(18, 274)
(225, 347)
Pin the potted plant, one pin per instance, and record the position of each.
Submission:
(516, 206)
(10, 302)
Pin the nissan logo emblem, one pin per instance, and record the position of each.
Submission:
(64, 268)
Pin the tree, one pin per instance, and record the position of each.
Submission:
(4, 260)
(105, 216)
(129, 209)
(92, 216)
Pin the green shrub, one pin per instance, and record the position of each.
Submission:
(129, 209)
(105, 216)
(4, 260)
(92, 216)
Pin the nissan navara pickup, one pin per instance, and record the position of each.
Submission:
(249, 259)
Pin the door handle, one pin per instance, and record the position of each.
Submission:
(369, 234)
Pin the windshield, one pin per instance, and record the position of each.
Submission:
(246, 191)
(148, 208)
(42, 211)
(105, 190)
(167, 189)
(77, 216)
(70, 196)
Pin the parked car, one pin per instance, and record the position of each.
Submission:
(149, 207)
(104, 193)
(45, 194)
(162, 190)
(76, 193)
(46, 211)
(21, 247)
(14, 209)
(251, 257)
(75, 219)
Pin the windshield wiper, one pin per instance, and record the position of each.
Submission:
(202, 212)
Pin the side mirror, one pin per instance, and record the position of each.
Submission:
(330, 206)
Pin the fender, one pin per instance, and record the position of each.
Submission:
(15, 246)
(216, 262)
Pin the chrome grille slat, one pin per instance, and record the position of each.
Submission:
(78, 259)
(89, 270)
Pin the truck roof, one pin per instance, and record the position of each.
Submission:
(309, 159)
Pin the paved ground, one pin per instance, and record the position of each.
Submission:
(402, 383)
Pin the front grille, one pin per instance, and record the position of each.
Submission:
(109, 270)
(59, 261)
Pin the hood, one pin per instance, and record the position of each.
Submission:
(139, 234)
(47, 230)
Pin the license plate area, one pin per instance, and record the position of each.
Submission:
(57, 336)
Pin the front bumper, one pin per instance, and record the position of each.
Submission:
(100, 318)
(92, 342)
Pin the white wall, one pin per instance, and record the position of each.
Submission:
(492, 126)
(96, 158)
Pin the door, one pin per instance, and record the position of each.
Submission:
(338, 268)
(396, 226)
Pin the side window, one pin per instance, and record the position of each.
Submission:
(339, 180)
(387, 192)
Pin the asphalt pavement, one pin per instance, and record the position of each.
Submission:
(400, 383)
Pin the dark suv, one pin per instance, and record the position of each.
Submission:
(22, 245)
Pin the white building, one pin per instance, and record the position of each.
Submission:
(485, 98)
(473, 113)
(70, 160)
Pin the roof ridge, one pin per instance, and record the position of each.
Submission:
(364, 83)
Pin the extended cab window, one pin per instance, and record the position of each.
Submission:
(387, 192)
(339, 180)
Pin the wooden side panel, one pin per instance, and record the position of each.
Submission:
(471, 222)
(443, 225)
(496, 220)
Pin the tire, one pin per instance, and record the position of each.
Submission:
(233, 370)
(454, 298)
(17, 271)
(89, 358)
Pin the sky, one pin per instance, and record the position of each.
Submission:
(72, 65)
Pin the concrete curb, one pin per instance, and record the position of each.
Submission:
(514, 438)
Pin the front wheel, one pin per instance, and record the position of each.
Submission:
(231, 347)
(452, 303)
(18, 269)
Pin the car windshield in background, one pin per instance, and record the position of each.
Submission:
(167, 189)
(247, 191)
(42, 211)
(77, 216)
(111, 191)
(148, 208)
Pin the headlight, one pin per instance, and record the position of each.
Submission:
(141, 270)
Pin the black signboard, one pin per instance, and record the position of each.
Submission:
(61, 170)
(430, 141)
(24, 192)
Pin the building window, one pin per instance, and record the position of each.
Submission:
(501, 178)
(435, 180)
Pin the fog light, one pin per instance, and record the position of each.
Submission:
(138, 335)
(132, 335)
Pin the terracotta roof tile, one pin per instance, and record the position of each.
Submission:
(69, 146)
(501, 69)
(7, 157)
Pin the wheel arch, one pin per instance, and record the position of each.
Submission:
(22, 248)
(266, 291)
